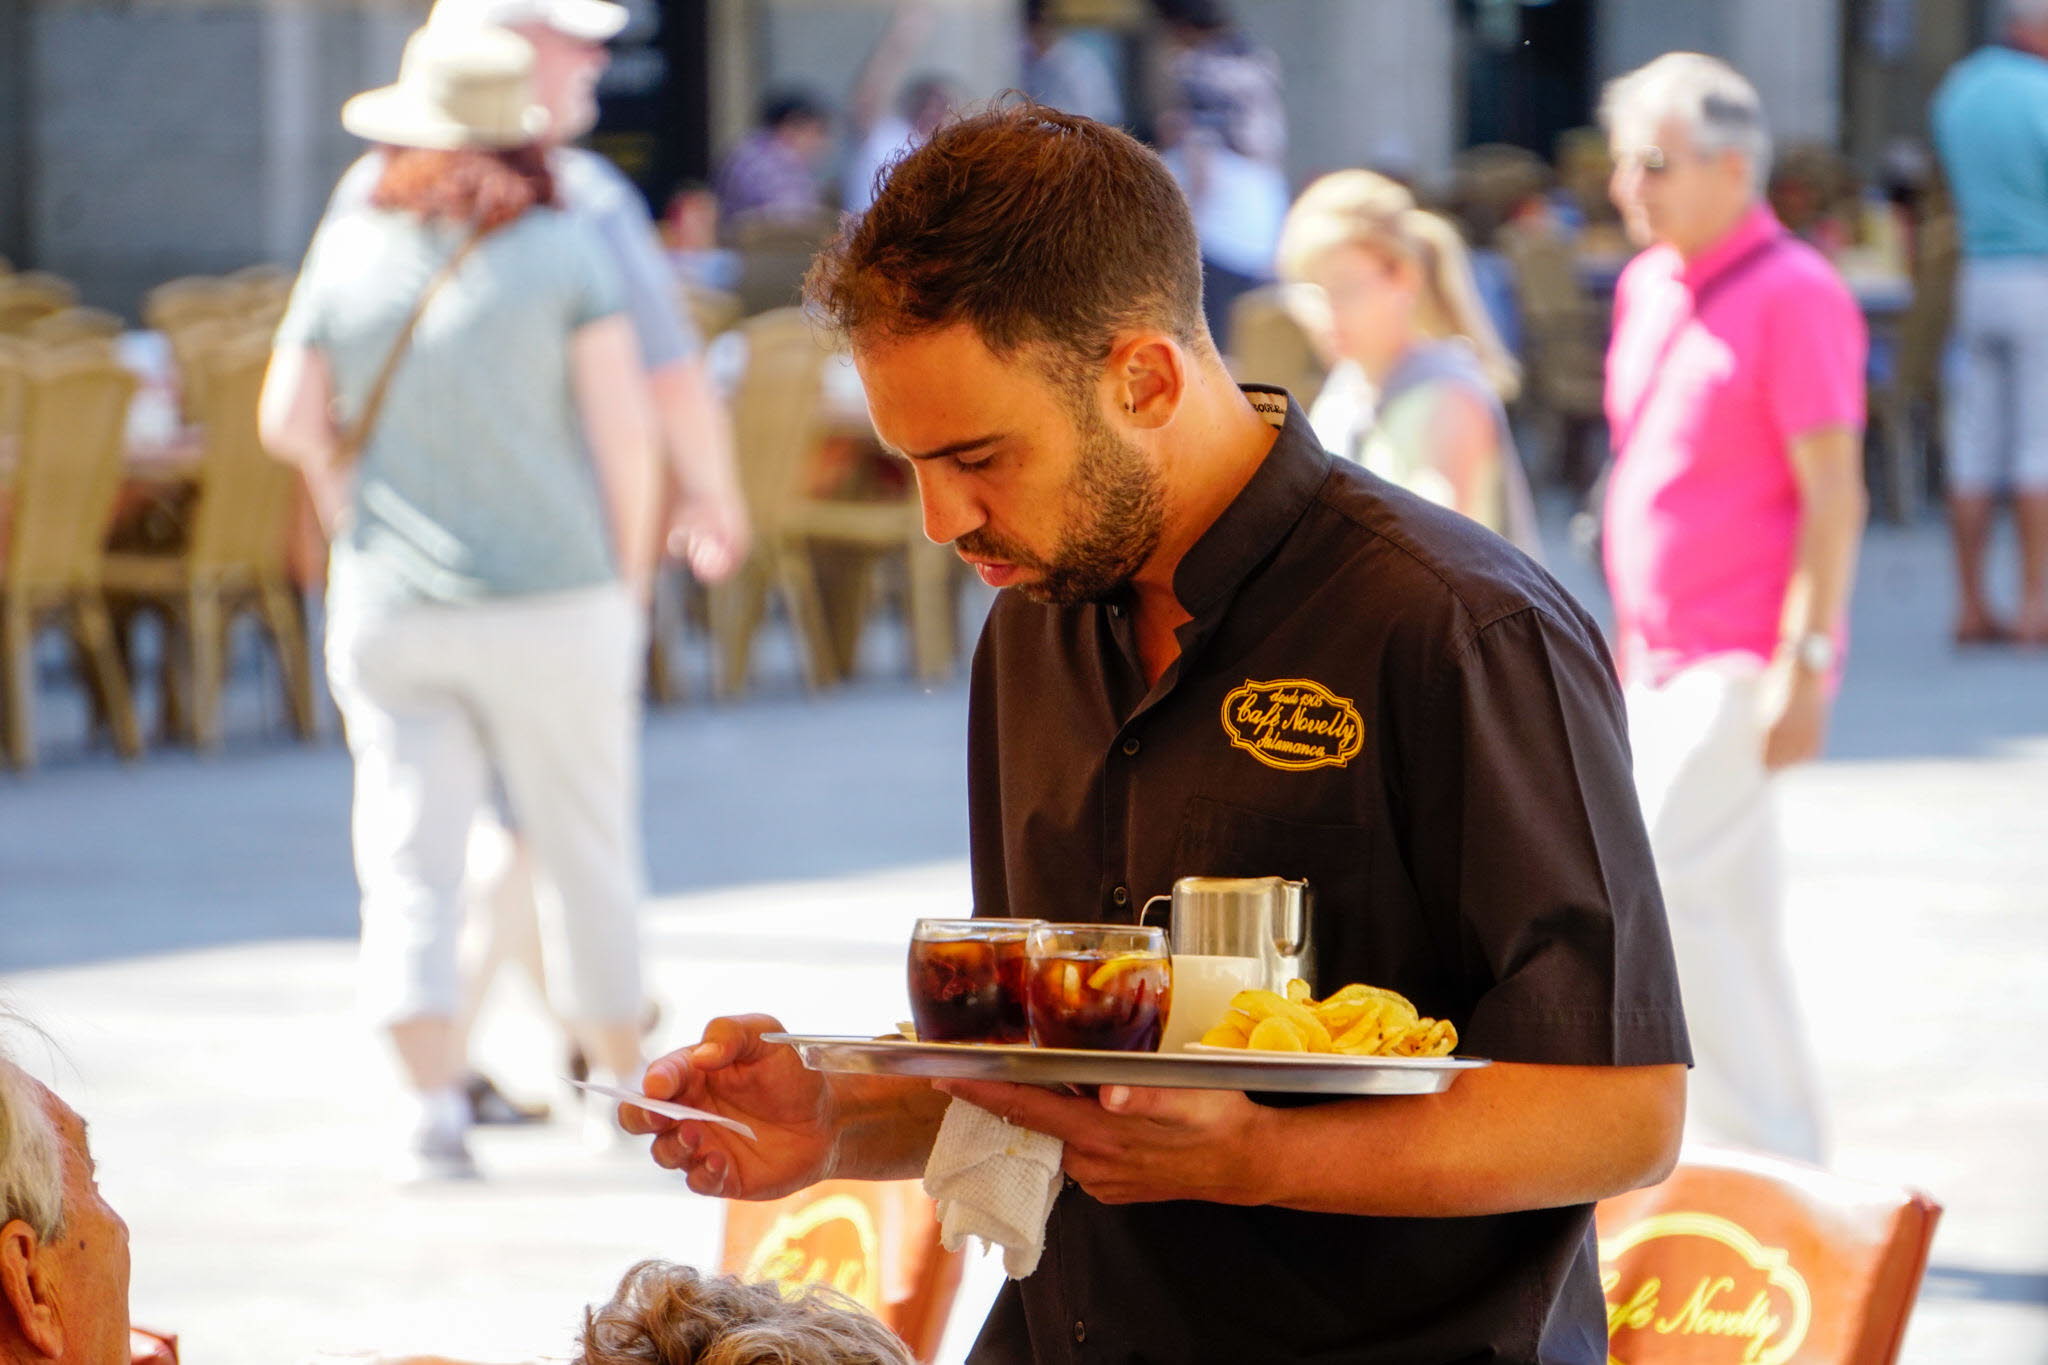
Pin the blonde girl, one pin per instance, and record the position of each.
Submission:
(1419, 378)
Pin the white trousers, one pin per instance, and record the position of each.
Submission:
(1711, 811)
(544, 693)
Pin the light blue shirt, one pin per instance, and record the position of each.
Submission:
(475, 482)
(1990, 121)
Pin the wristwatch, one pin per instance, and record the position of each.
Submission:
(1814, 651)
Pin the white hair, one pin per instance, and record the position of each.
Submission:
(31, 1156)
(1718, 109)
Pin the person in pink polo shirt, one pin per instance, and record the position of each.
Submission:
(1735, 396)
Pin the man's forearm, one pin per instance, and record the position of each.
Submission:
(693, 428)
(1508, 1138)
(883, 1126)
(1833, 508)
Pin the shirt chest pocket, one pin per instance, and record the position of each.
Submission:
(1218, 839)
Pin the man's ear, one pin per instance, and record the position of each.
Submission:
(1148, 377)
(27, 1294)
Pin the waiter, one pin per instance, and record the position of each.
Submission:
(1222, 652)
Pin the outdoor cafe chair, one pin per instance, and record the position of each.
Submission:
(189, 298)
(778, 427)
(1267, 346)
(234, 555)
(877, 1242)
(774, 252)
(75, 324)
(1564, 345)
(73, 411)
(193, 314)
(824, 538)
(1741, 1258)
(31, 295)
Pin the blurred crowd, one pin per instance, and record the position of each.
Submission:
(1700, 338)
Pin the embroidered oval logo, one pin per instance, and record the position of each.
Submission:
(1293, 724)
(1708, 1280)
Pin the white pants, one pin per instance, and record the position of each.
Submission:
(543, 692)
(1997, 374)
(1710, 808)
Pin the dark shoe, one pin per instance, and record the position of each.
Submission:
(1984, 632)
(490, 1106)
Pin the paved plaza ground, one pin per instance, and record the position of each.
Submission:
(183, 928)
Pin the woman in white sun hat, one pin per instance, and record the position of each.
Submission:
(458, 380)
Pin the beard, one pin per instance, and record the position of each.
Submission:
(1113, 514)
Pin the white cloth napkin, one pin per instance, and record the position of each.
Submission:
(995, 1181)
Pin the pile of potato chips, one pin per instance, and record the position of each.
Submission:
(1360, 1021)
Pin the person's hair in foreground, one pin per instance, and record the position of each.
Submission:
(666, 1314)
(1046, 232)
(1362, 209)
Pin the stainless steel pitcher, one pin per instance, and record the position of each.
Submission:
(1268, 918)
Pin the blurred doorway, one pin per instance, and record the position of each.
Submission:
(1528, 68)
(654, 105)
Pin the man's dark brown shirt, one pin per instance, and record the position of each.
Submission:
(1379, 696)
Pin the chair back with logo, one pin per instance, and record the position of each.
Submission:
(877, 1242)
(1750, 1260)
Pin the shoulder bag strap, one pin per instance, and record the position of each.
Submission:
(1735, 269)
(349, 449)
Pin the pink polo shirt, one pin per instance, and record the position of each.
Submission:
(1714, 369)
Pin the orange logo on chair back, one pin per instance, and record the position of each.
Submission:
(830, 1241)
(1735, 1300)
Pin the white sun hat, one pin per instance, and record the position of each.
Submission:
(594, 21)
(470, 87)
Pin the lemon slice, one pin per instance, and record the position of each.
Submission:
(1116, 967)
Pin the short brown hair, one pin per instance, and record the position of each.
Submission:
(485, 189)
(665, 1314)
(1040, 229)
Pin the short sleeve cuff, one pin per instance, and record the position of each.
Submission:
(1652, 1036)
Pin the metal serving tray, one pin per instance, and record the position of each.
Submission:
(1207, 1069)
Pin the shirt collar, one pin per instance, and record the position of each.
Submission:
(1261, 515)
(1758, 225)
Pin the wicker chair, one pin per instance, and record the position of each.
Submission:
(778, 424)
(193, 313)
(15, 355)
(233, 557)
(833, 544)
(75, 324)
(774, 254)
(1267, 346)
(188, 299)
(31, 295)
(1564, 332)
(73, 410)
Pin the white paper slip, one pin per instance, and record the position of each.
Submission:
(668, 1109)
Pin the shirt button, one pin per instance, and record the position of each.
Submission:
(1131, 747)
(1122, 895)
(1080, 1330)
